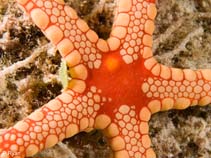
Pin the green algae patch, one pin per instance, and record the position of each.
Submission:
(63, 74)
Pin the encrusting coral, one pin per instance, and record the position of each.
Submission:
(116, 84)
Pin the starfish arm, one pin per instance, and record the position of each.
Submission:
(173, 88)
(128, 133)
(132, 29)
(62, 117)
(131, 32)
(76, 42)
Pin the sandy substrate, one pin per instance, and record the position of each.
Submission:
(29, 74)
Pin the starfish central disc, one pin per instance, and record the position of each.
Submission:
(117, 84)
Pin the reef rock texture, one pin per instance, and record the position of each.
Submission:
(29, 74)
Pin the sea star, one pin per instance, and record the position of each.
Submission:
(116, 83)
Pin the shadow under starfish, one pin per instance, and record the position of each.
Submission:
(116, 83)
